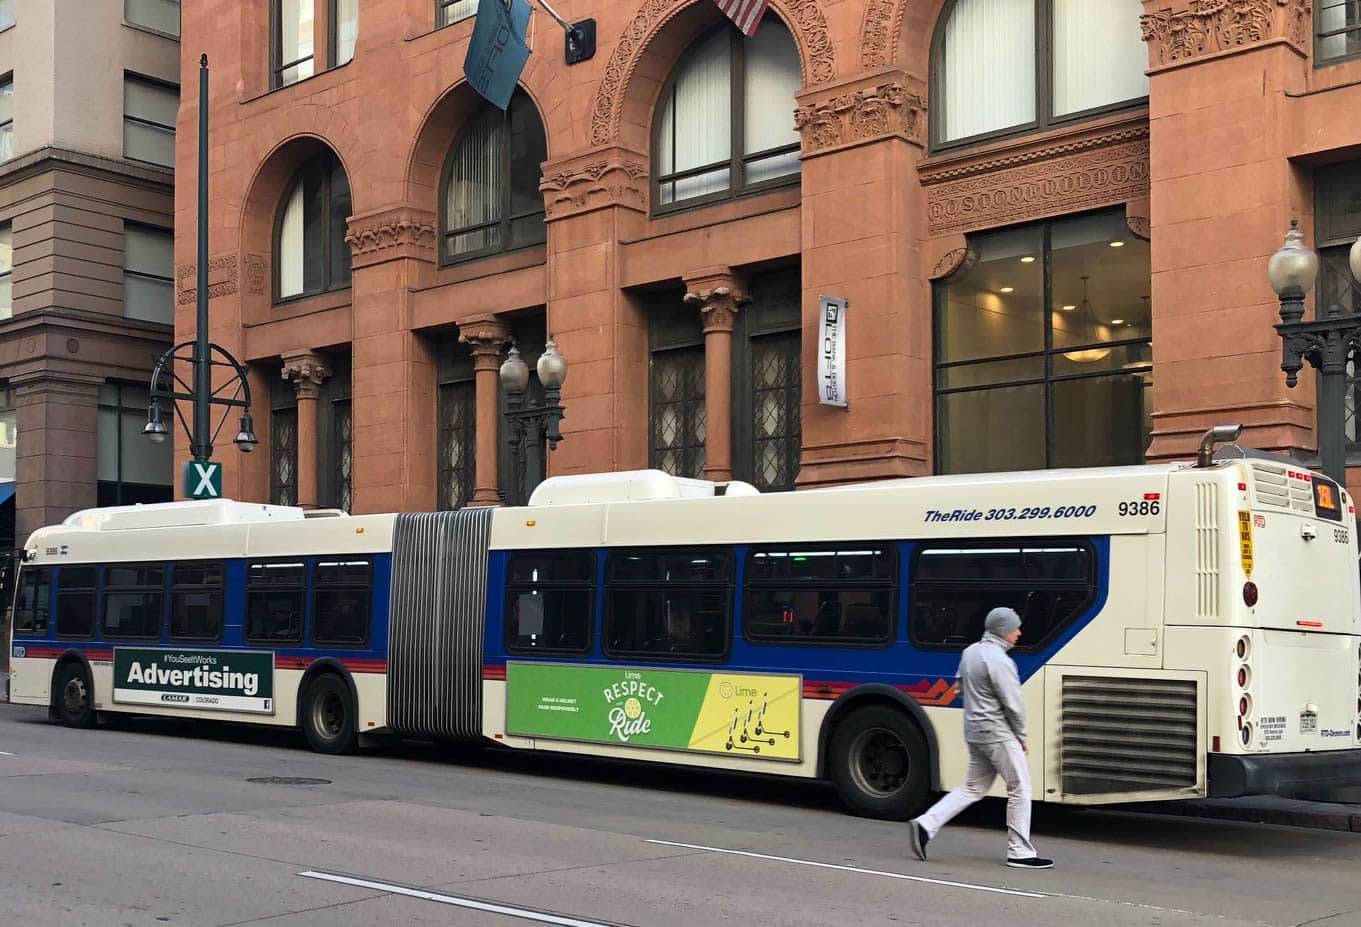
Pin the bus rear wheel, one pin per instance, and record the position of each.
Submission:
(328, 717)
(72, 696)
(879, 764)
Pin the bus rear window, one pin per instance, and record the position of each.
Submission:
(32, 603)
(954, 584)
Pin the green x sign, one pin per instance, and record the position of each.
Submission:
(203, 479)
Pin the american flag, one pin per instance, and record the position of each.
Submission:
(745, 13)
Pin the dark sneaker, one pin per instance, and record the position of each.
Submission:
(1031, 862)
(917, 835)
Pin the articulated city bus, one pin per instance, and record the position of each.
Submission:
(1188, 629)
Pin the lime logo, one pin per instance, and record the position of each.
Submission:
(725, 689)
(633, 708)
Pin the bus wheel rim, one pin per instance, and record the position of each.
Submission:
(73, 696)
(329, 715)
(879, 762)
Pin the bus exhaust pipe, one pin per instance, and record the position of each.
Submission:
(1219, 434)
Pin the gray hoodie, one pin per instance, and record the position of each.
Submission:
(994, 710)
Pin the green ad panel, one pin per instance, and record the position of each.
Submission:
(710, 712)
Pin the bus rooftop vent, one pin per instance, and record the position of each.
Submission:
(631, 486)
(180, 514)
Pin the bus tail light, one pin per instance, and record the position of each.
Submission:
(1247, 734)
(1244, 647)
(1245, 706)
(1214, 744)
(1249, 593)
(1244, 676)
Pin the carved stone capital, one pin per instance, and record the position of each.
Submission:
(401, 231)
(487, 337)
(887, 103)
(718, 293)
(605, 177)
(306, 371)
(222, 279)
(1104, 165)
(948, 256)
(1180, 30)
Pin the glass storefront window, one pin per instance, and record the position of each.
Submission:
(1043, 349)
(130, 468)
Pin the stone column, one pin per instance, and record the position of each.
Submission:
(487, 337)
(717, 292)
(56, 464)
(307, 372)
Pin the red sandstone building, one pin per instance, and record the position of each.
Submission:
(1051, 220)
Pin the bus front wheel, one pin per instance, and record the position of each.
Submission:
(328, 718)
(879, 764)
(72, 696)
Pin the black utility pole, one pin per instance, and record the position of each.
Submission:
(201, 445)
(1325, 343)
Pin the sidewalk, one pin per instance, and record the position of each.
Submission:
(1265, 809)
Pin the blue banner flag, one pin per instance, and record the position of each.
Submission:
(497, 52)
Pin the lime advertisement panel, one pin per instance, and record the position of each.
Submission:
(734, 714)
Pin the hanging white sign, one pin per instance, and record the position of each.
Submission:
(832, 351)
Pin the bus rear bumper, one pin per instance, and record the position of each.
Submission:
(1282, 774)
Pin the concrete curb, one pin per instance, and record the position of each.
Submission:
(1265, 810)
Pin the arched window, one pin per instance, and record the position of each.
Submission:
(1002, 66)
(491, 198)
(310, 252)
(725, 121)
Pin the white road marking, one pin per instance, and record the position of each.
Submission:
(3, 753)
(856, 869)
(527, 914)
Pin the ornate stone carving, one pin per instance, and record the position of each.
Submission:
(1205, 27)
(865, 114)
(955, 261)
(221, 279)
(487, 337)
(718, 293)
(1139, 225)
(875, 34)
(1085, 179)
(803, 16)
(306, 371)
(391, 229)
(577, 186)
(255, 266)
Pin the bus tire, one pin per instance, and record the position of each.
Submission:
(73, 696)
(880, 764)
(328, 716)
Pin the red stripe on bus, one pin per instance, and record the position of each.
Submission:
(353, 664)
(493, 672)
(939, 692)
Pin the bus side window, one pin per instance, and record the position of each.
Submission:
(342, 594)
(134, 594)
(76, 603)
(954, 584)
(275, 598)
(196, 597)
(672, 604)
(550, 601)
(33, 602)
(823, 595)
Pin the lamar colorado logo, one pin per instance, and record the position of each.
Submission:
(179, 699)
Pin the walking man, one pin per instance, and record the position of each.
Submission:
(995, 731)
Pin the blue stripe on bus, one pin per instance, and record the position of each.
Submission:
(901, 663)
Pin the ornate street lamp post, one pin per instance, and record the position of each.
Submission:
(201, 355)
(1325, 342)
(531, 421)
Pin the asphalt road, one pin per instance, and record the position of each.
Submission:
(155, 823)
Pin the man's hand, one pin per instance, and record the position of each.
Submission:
(1025, 747)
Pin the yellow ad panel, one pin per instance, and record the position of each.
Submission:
(750, 716)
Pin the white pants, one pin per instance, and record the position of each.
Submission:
(986, 762)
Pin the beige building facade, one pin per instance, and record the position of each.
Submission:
(88, 100)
